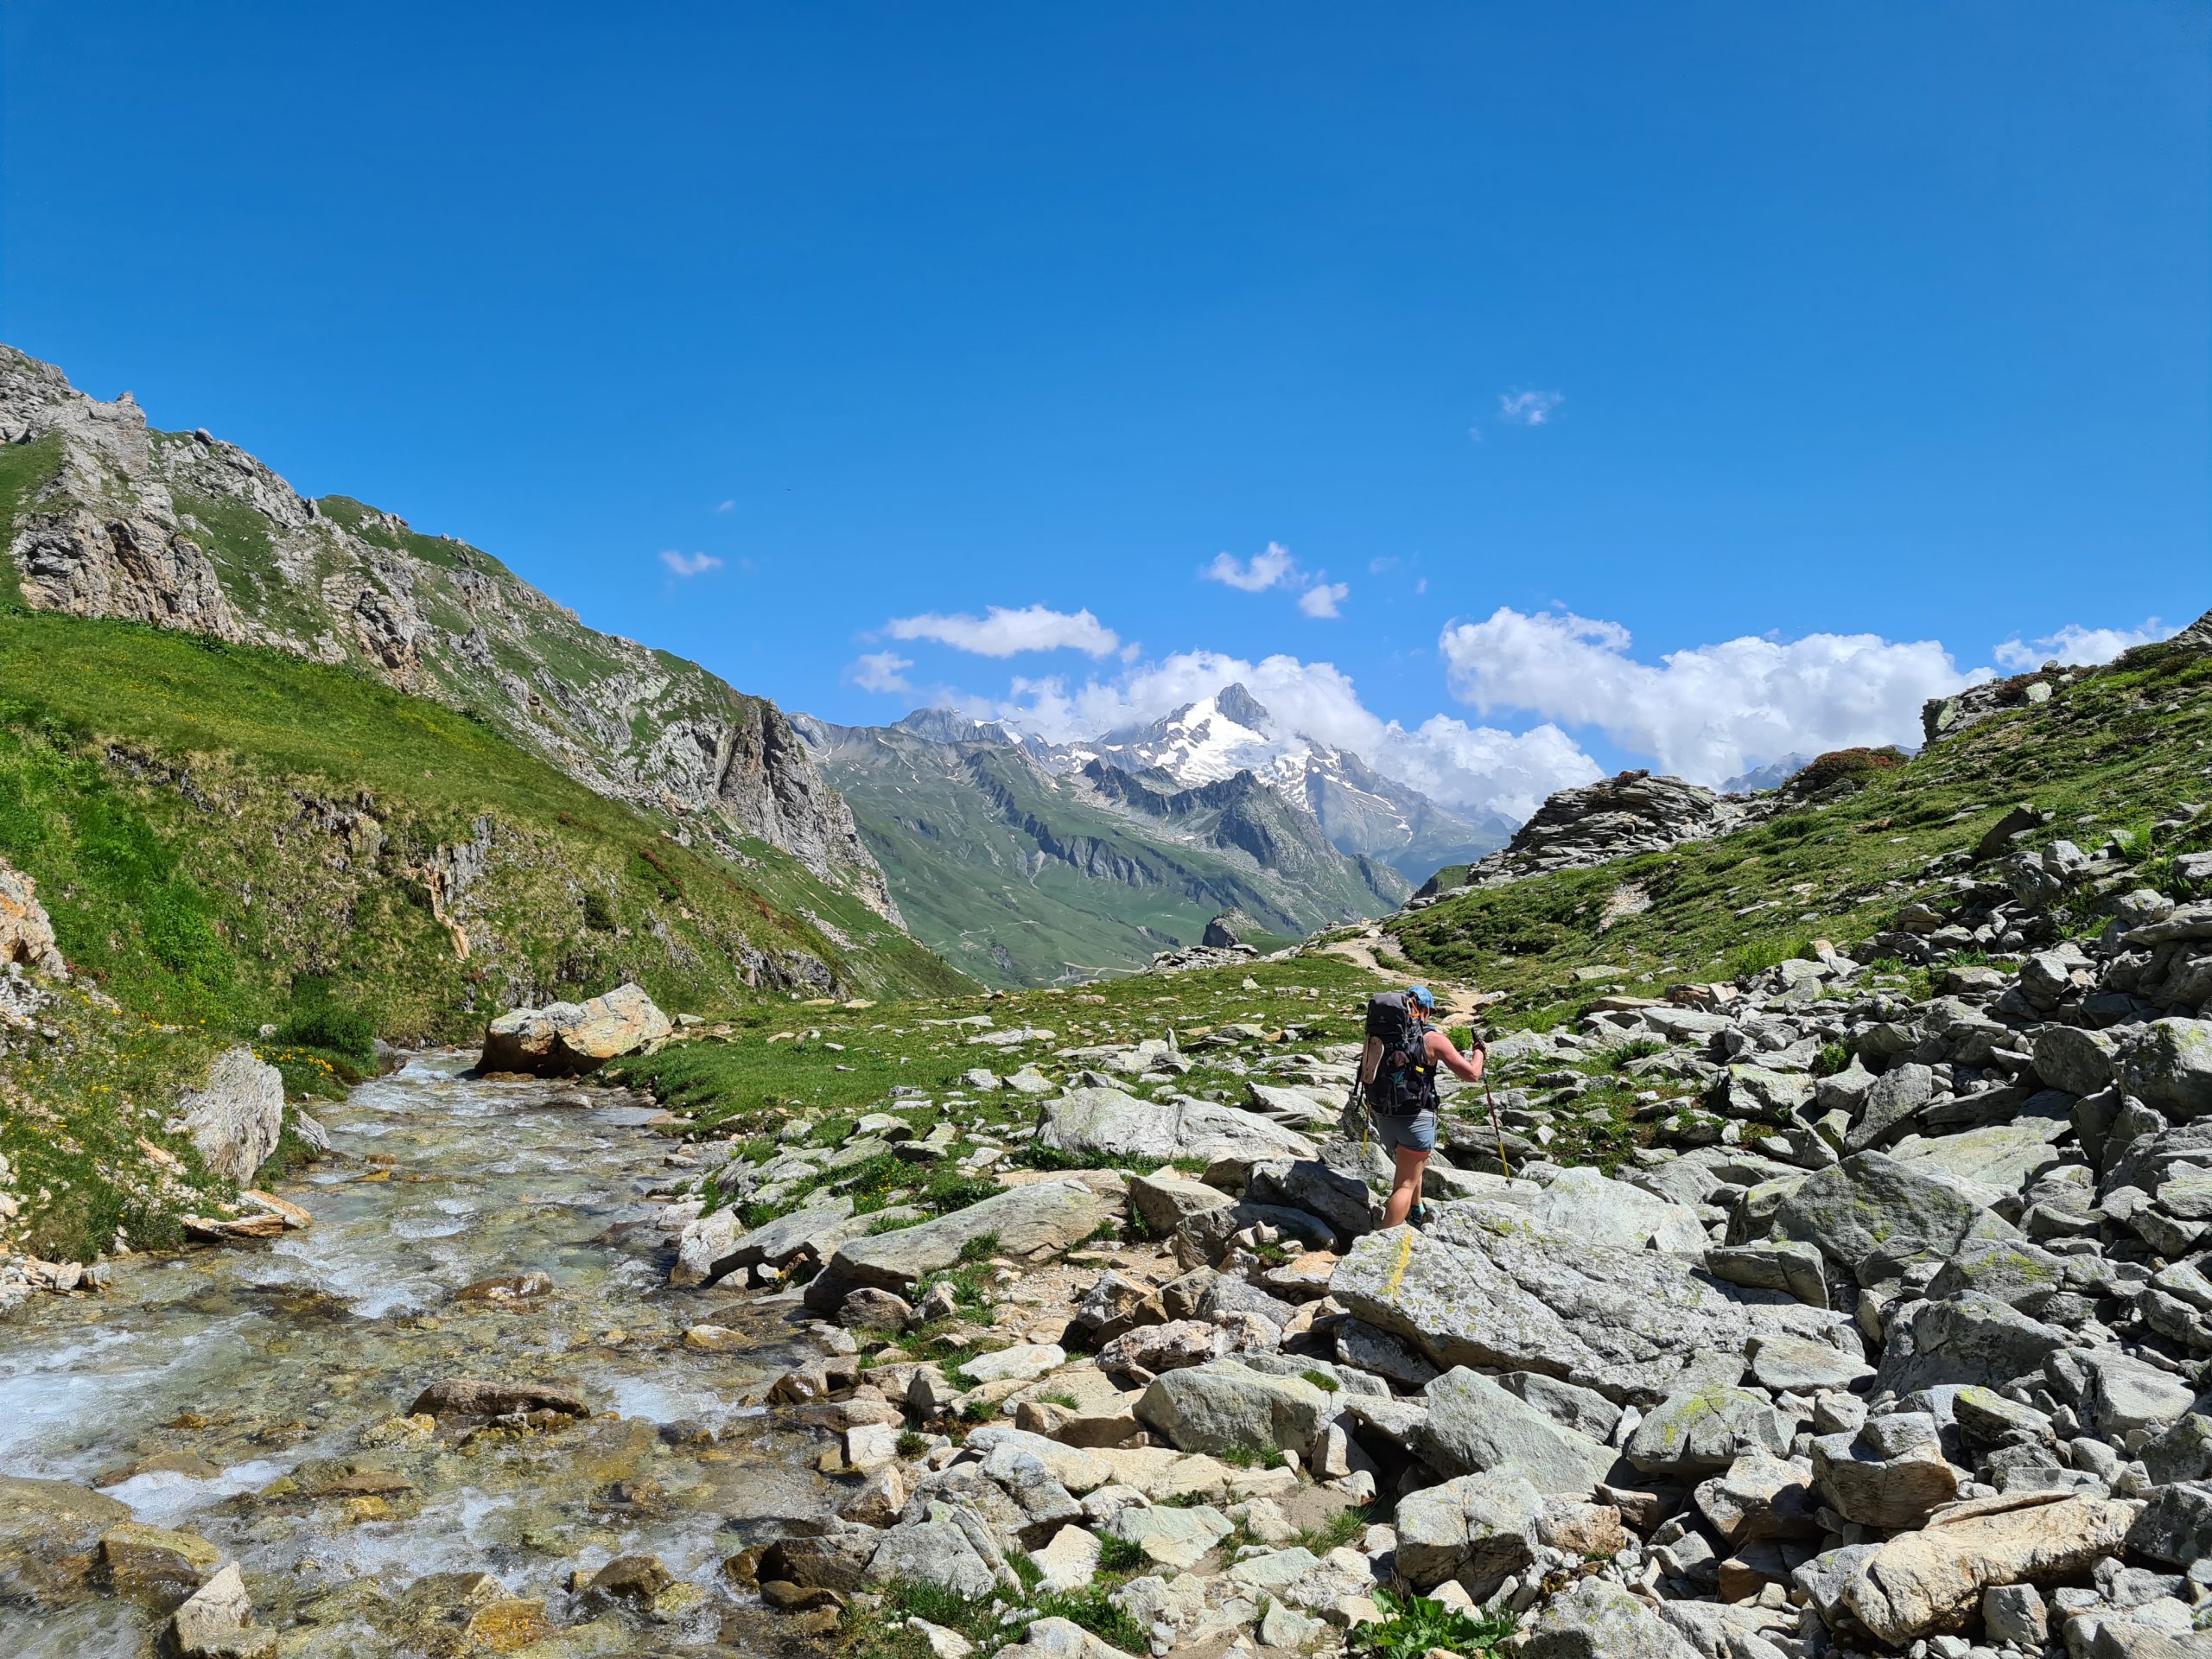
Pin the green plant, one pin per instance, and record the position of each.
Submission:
(982, 1248)
(1340, 1528)
(1322, 1381)
(911, 1444)
(1414, 1625)
(1619, 1057)
(1833, 1058)
(1094, 1610)
(1119, 1555)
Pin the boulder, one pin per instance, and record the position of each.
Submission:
(2175, 1524)
(2077, 1061)
(2168, 1063)
(1487, 1286)
(26, 933)
(564, 1039)
(1106, 1122)
(1702, 1431)
(1583, 1203)
(1476, 1528)
(1309, 1184)
(1890, 1474)
(155, 1562)
(1228, 1407)
(1171, 1537)
(1890, 1102)
(1593, 1619)
(1931, 1580)
(463, 1397)
(1970, 1337)
(819, 1226)
(940, 1552)
(234, 1118)
(216, 1621)
(1796, 1365)
(1758, 1498)
(1475, 1427)
(1165, 1199)
(1031, 1222)
(1872, 1205)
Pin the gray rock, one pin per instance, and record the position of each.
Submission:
(1227, 1406)
(1794, 1365)
(1702, 1431)
(2184, 1452)
(1583, 1203)
(1784, 1265)
(2168, 1063)
(2015, 1613)
(564, 1039)
(2077, 1061)
(1593, 1619)
(2175, 1524)
(1476, 1529)
(1584, 1410)
(938, 1552)
(2013, 1271)
(1872, 1205)
(1969, 1338)
(1896, 1096)
(1883, 1484)
(1034, 1222)
(1475, 1427)
(1310, 1185)
(1360, 1344)
(2124, 1394)
(234, 1118)
(1166, 1198)
(2000, 1158)
(1107, 1122)
(1486, 1286)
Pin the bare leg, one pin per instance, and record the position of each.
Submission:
(1405, 1188)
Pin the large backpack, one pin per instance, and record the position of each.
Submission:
(1397, 1076)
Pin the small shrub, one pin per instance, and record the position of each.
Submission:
(982, 1248)
(1832, 1058)
(1414, 1625)
(1322, 1381)
(1092, 1609)
(1119, 1555)
(911, 1444)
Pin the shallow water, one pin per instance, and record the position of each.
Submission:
(227, 1391)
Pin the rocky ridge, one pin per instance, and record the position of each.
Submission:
(182, 530)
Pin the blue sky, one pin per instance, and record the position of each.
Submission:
(1559, 343)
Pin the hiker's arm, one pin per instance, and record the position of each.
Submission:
(1441, 1047)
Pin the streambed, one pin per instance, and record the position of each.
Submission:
(254, 1395)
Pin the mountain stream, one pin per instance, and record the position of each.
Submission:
(257, 1396)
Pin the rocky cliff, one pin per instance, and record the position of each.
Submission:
(101, 516)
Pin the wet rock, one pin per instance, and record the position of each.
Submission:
(836, 1558)
(43, 1524)
(506, 1289)
(465, 1398)
(156, 1563)
(566, 1038)
(1931, 1580)
(1485, 1286)
(234, 1118)
(1101, 1120)
(1475, 1427)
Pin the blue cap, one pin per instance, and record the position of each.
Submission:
(1420, 994)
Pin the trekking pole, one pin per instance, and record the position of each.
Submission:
(1496, 1128)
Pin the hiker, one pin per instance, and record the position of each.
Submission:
(1398, 1079)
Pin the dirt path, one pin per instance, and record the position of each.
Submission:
(1376, 951)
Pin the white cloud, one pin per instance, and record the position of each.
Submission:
(2074, 643)
(1262, 571)
(726, 507)
(1706, 713)
(690, 564)
(1474, 434)
(881, 671)
(1456, 763)
(1518, 408)
(1322, 599)
(1003, 632)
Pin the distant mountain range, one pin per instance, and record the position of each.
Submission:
(1773, 775)
(1027, 861)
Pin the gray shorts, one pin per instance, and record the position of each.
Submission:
(1415, 1133)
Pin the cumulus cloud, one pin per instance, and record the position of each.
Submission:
(1001, 632)
(1262, 571)
(881, 671)
(1518, 408)
(1456, 763)
(1323, 598)
(690, 564)
(2074, 643)
(1706, 713)
(1275, 567)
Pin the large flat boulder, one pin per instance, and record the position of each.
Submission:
(1229, 1407)
(1597, 1620)
(563, 1040)
(1034, 1222)
(44, 1525)
(235, 1117)
(1475, 1427)
(1490, 1286)
(1476, 1528)
(1106, 1123)
(1585, 1203)
(1931, 1580)
(1872, 1205)
(1971, 1338)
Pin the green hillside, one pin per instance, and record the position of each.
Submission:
(211, 824)
(2112, 752)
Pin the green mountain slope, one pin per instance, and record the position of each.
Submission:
(2104, 754)
(1020, 877)
(211, 825)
